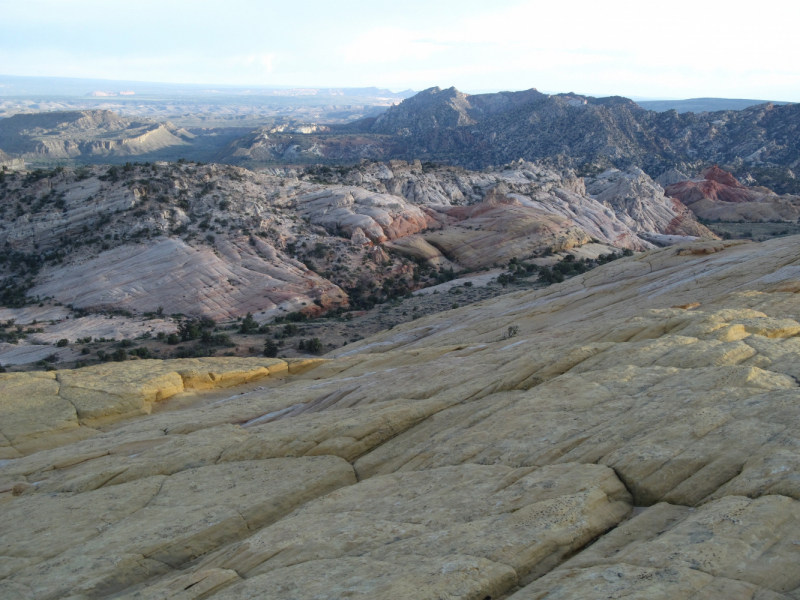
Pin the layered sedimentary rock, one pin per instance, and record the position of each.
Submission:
(43, 410)
(380, 217)
(498, 229)
(88, 133)
(674, 552)
(641, 204)
(233, 280)
(716, 194)
(613, 207)
(650, 405)
(221, 241)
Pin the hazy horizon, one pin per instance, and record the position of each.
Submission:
(75, 81)
(617, 48)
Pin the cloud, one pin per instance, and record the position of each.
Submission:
(682, 48)
(616, 46)
(253, 60)
(388, 45)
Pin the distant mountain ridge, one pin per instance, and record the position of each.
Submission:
(573, 130)
(704, 104)
(758, 144)
(95, 133)
(11, 85)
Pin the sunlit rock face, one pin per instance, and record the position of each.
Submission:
(629, 432)
(715, 194)
(222, 241)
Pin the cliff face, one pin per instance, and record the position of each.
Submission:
(9, 163)
(636, 438)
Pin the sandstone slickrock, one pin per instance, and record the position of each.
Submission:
(634, 195)
(71, 403)
(197, 281)
(472, 453)
(137, 261)
(532, 185)
(177, 519)
(497, 230)
(735, 547)
(222, 241)
(475, 529)
(380, 217)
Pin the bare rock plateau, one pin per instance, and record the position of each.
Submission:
(631, 432)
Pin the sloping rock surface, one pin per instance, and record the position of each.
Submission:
(641, 204)
(88, 133)
(468, 454)
(717, 194)
(170, 273)
(223, 241)
(42, 410)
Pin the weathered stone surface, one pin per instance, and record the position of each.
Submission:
(380, 217)
(499, 229)
(491, 444)
(258, 243)
(641, 204)
(508, 525)
(65, 521)
(45, 410)
(177, 519)
(716, 194)
(183, 278)
(627, 581)
(200, 584)
(30, 408)
(735, 547)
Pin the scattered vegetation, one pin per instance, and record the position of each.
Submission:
(312, 346)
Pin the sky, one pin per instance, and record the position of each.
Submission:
(642, 49)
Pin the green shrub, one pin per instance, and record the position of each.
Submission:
(219, 339)
(141, 352)
(312, 346)
(270, 349)
(290, 329)
(249, 324)
(62, 342)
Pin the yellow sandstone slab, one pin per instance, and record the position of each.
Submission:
(45, 410)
